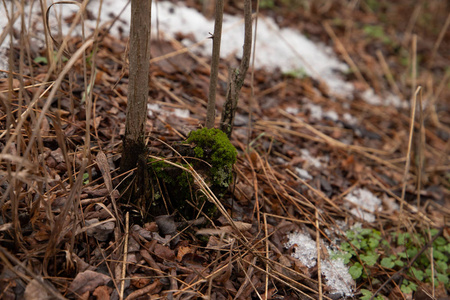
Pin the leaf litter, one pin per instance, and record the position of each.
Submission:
(355, 156)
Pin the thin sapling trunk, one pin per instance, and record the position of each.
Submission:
(237, 76)
(133, 142)
(217, 37)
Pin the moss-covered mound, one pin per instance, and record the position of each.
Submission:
(213, 146)
(212, 155)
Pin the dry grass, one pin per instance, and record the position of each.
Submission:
(60, 140)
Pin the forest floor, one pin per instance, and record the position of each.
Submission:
(368, 184)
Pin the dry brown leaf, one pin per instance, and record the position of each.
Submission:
(35, 291)
(88, 281)
(182, 251)
(164, 252)
(102, 293)
(103, 165)
(99, 229)
(139, 282)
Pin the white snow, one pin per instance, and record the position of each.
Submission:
(337, 277)
(304, 248)
(181, 113)
(332, 115)
(3, 61)
(283, 48)
(303, 174)
(315, 111)
(177, 112)
(351, 120)
(388, 99)
(366, 202)
(292, 110)
(152, 108)
(276, 47)
(310, 160)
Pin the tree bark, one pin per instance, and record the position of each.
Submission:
(133, 142)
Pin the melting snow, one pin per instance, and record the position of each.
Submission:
(303, 174)
(180, 113)
(276, 47)
(337, 277)
(315, 111)
(292, 110)
(332, 115)
(304, 248)
(367, 204)
(388, 100)
(351, 120)
(315, 162)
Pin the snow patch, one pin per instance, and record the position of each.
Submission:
(181, 113)
(332, 115)
(315, 162)
(304, 248)
(277, 47)
(292, 110)
(177, 112)
(337, 277)
(388, 99)
(3, 62)
(152, 108)
(351, 120)
(303, 174)
(315, 111)
(367, 204)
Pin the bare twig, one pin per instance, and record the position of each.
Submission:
(217, 37)
(237, 76)
(125, 255)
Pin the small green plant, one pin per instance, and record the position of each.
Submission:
(296, 73)
(377, 32)
(85, 178)
(367, 295)
(421, 269)
(44, 60)
(365, 247)
(362, 243)
(41, 60)
(267, 4)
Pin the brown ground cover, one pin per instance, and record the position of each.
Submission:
(64, 233)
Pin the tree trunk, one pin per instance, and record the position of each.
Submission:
(133, 142)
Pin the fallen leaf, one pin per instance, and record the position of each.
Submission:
(183, 251)
(35, 291)
(87, 281)
(164, 252)
(102, 292)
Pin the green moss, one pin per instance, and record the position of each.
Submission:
(214, 146)
(199, 152)
(171, 174)
(173, 186)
